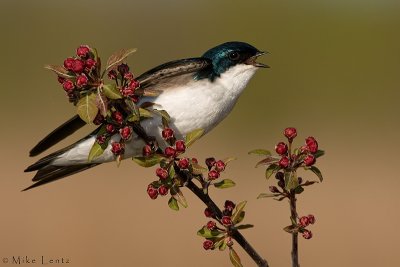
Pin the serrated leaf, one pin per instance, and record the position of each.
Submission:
(198, 169)
(244, 226)
(207, 233)
(234, 257)
(227, 160)
(319, 153)
(265, 195)
(291, 181)
(267, 161)
(118, 57)
(95, 151)
(178, 195)
(60, 71)
(87, 109)
(148, 161)
(271, 170)
(173, 204)
(111, 91)
(317, 172)
(238, 209)
(193, 136)
(262, 152)
(226, 183)
(102, 104)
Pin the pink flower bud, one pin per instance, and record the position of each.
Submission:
(229, 205)
(309, 160)
(82, 51)
(152, 192)
(211, 225)
(208, 244)
(312, 144)
(167, 133)
(180, 146)
(220, 166)
(78, 66)
(163, 190)
(147, 150)
(210, 162)
(226, 220)
(290, 133)
(183, 163)
(208, 213)
(68, 86)
(101, 139)
(281, 148)
(170, 152)
(60, 79)
(117, 117)
(212, 175)
(81, 80)
(311, 219)
(110, 128)
(162, 173)
(304, 222)
(90, 63)
(127, 91)
(307, 234)
(123, 68)
(112, 74)
(126, 132)
(117, 148)
(68, 63)
(284, 162)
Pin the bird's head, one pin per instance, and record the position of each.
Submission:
(230, 54)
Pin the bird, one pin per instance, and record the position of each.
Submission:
(197, 93)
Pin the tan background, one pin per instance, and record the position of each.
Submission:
(335, 75)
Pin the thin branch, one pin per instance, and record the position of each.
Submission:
(295, 249)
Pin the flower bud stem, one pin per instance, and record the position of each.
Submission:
(218, 214)
(293, 211)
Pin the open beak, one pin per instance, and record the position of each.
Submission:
(252, 60)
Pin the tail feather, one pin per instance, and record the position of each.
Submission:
(52, 173)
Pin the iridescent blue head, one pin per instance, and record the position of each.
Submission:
(230, 54)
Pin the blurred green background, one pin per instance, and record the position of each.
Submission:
(334, 75)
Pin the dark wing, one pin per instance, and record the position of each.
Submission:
(147, 79)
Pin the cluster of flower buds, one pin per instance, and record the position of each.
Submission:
(81, 70)
(305, 221)
(301, 157)
(125, 81)
(215, 167)
(226, 222)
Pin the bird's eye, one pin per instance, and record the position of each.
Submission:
(233, 55)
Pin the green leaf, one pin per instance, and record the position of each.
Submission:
(207, 233)
(224, 244)
(265, 195)
(165, 116)
(267, 161)
(271, 170)
(238, 210)
(234, 258)
(193, 136)
(148, 161)
(132, 107)
(220, 244)
(173, 204)
(227, 160)
(291, 181)
(308, 183)
(87, 109)
(262, 152)
(171, 172)
(60, 71)
(118, 57)
(151, 93)
(317, 172)
(291, 229)
(178, 195)
(319, 153)
(95, 151)
(111, 91)
(244, 226)
(198, 169)
(299, 190)
(226, 183)
(145, 113)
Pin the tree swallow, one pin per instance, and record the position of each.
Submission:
(197, 93)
